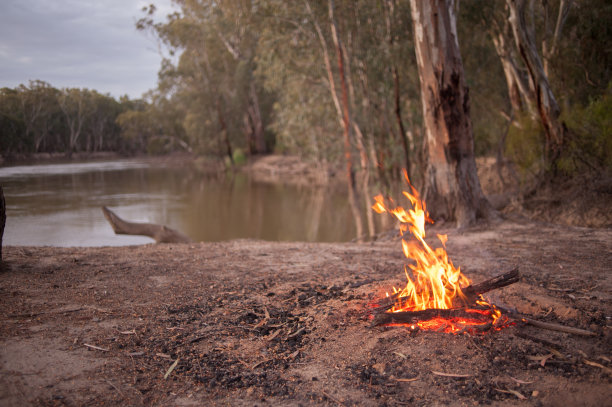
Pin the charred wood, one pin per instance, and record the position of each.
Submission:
(411, 317)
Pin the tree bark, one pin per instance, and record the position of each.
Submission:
(160, 233)
(452, 189)
(2, 218)
(546, 104)
(258, 128)
(519, 92)
(224, 132)
(346, 122)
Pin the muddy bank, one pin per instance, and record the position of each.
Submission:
(260, 323)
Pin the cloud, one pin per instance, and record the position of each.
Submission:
(74, 43)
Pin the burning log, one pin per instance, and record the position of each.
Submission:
(469, 308)
(471, 292)
(160, 233)
(437, 296)
(412, 317)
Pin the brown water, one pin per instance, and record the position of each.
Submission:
(59, 205)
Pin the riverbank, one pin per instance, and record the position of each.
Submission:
(583, 201)
(250, 322)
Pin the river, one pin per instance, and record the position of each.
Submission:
(59, 205)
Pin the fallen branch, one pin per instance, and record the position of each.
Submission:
(160, 233)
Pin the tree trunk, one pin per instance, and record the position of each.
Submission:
(258, 128)
(2, 219)
(452, 188)
(346, 122)
(224, 133)
(546, 104)
(519, 91)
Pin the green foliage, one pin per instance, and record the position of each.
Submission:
(525, 145)
(239, 156)
(589, 145)
(40, 118)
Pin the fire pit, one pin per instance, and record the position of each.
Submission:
(437, 295)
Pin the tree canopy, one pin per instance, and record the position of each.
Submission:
(259, 76)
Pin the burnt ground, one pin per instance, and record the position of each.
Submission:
(259, 323)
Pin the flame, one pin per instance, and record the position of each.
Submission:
(433, 282)
(436, 282)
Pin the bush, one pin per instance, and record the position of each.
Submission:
(525, 145)
(589, 140)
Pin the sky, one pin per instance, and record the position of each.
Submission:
(90, 44)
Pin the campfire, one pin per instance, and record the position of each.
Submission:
(437, 295)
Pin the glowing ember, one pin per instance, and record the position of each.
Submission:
(433, 282)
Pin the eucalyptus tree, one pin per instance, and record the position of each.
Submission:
(452, 188)
(77, 107)
(214, 80)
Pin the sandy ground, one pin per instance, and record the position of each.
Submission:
(259, 323)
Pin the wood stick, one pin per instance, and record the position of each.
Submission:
(410, 317)
(502, 280)
(557, 327)
(96, 347)
(160, 233)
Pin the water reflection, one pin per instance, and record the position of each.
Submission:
(59, 205)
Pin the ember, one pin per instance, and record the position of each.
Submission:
(437, 295)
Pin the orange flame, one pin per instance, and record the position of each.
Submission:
(436, 282)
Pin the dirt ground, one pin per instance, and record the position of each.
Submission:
(259, 323)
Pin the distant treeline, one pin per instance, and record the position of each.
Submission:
(38, 118)
(260, 76)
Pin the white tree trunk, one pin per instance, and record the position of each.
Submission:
(452, 189)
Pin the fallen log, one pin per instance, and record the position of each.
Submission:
(160, 233)
(470, 292)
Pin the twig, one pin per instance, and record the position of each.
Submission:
(412, 379)
(116, 388)
(450, 374)
(516, 393)
(595, 364)
(519, 381)
(96, 347)
(332, 398)
(171, 368)
(557, 327)
(297, 333)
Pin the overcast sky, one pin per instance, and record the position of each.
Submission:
(79, 43)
